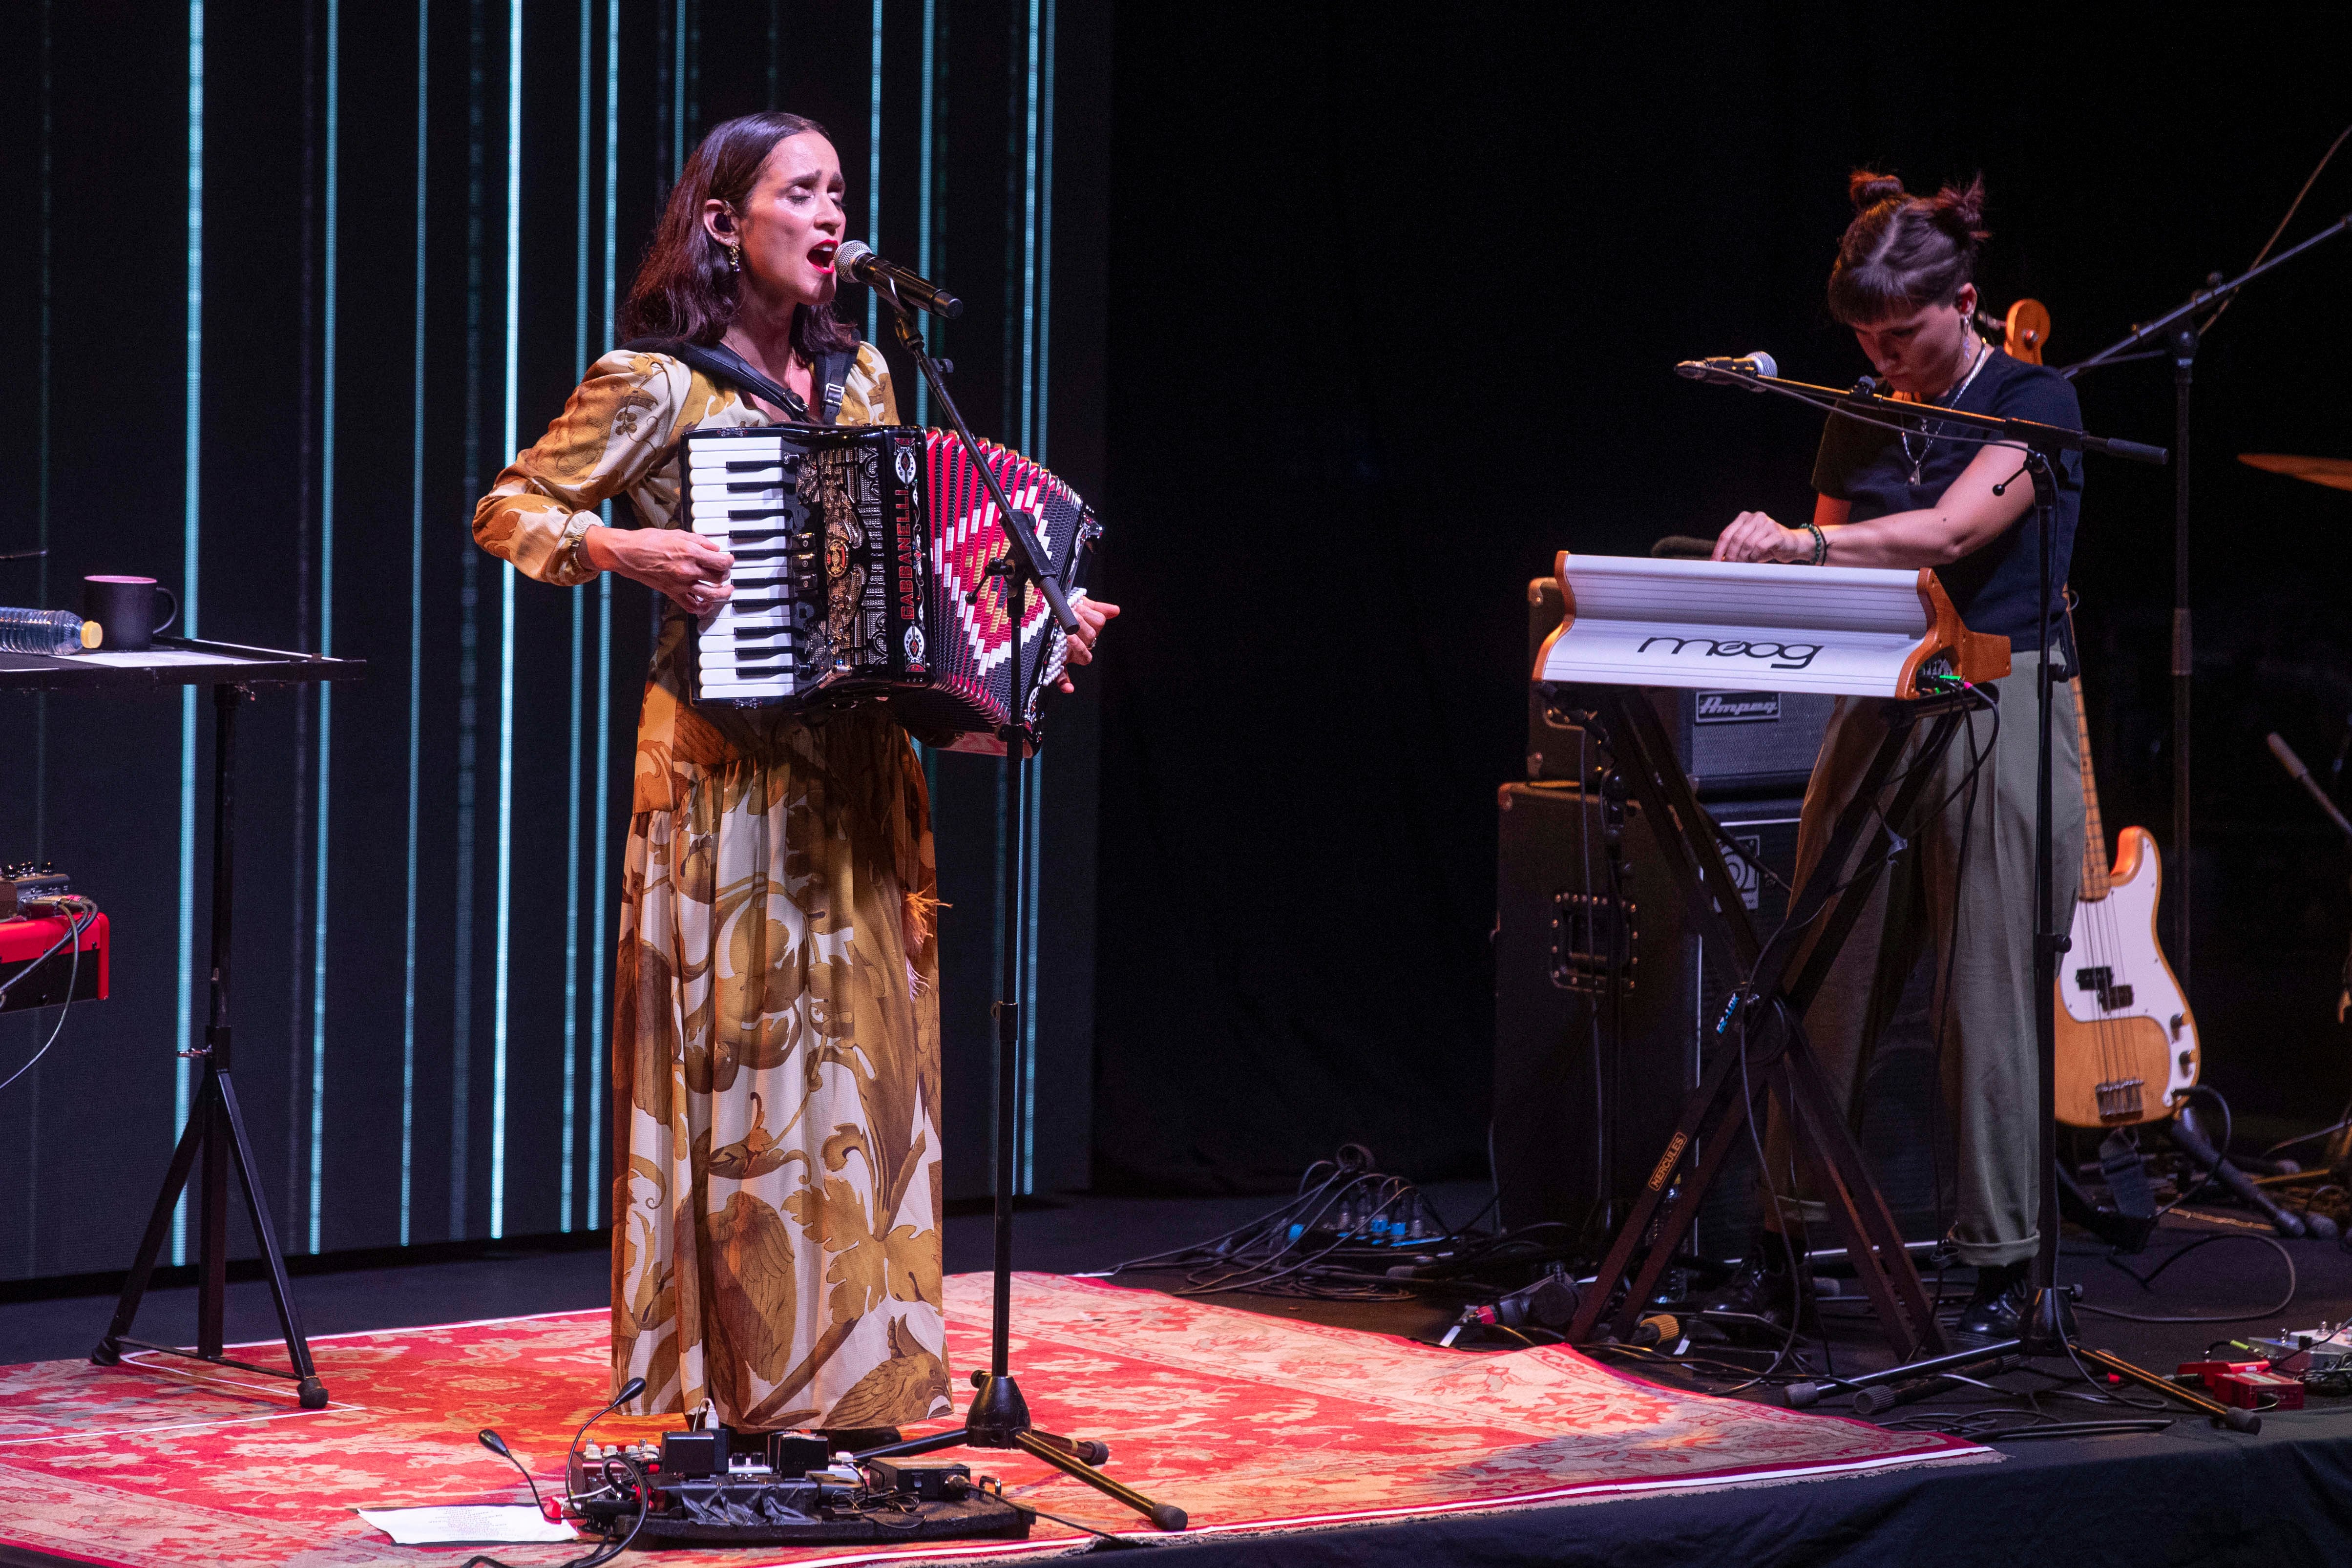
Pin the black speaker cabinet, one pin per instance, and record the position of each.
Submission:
(1730, 742)
(1605, 1001)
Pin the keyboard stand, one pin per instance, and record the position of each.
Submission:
(1762, 1032)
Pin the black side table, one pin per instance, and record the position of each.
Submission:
(215, 1129)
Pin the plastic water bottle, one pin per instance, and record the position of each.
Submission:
(53, 632)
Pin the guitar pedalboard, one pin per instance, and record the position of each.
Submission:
(40, 918)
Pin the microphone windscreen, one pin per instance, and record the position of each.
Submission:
(848, 254)
(630, 1390)
(1764, 365)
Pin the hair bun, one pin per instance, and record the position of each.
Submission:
(1868, 190)
(1960, 210)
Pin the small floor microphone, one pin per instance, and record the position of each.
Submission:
(856, 259)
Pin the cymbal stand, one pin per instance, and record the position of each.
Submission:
(2182, 330)
(999, 1417)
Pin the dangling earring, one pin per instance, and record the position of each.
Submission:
(734, 258)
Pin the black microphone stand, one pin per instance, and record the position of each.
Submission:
(999, 1416)
(2048, 1328)
(2181, 331)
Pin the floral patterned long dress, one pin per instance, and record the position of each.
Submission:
(776, 1195)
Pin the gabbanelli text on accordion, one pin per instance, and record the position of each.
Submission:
(863, 573)
(1844, 631)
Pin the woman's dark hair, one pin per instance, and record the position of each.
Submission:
(683, 287)
(1903, 253)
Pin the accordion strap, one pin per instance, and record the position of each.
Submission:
(724, 365)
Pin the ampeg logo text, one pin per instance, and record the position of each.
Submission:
(1737, 707)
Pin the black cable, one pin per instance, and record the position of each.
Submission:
(73, 980)
(2292, 208)
(2147, 1282)
(74, 930)
(2220, 1151)
(604, 1551)
(2344, 1120)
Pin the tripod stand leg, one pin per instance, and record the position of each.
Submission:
(1702, 1111)
(313, 1392)
(211, 1221)
(151, 1245)
(1166, 1515)
(954, 1437)
(1873, 1242)
(1718, 1133)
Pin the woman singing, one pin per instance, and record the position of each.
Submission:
(775, 1046)
(1895, 498)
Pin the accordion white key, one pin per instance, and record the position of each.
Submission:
(1842, 631)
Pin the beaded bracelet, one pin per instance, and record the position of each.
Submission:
(1821, 543)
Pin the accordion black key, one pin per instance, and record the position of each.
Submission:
(862, 572)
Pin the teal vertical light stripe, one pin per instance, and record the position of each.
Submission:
(1046, 238)
(571, 1116)
(190, 539)
(604, 642)
(415, 638)
(1029, 249)
(873, 167)
(1032, 443)
(507, 640)
(326, 640)
(677, 93)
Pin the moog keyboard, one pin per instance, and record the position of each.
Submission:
(862, 571)
(1835, 629)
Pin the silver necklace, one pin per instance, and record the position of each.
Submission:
(1919, 459)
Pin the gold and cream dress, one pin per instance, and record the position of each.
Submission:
(776, 1196)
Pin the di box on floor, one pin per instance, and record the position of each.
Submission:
(1605, 1003)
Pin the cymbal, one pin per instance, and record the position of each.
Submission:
(2335, 473)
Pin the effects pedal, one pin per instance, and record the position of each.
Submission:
(42, 964)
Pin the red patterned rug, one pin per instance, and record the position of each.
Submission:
(1246, 1422)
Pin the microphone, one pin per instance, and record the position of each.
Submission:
(856, 259)
(1747, 368)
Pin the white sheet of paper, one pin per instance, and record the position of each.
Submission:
(448, 1526)
(155, 658)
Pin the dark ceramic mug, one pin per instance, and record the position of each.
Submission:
(124, 609)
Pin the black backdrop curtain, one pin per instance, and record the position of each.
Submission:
(1395, 296)
(421, 1000)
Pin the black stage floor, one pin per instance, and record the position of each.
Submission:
(2187, 1494)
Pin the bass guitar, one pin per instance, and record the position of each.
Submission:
(2126, 1044)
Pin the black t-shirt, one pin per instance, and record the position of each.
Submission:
(1997, 589)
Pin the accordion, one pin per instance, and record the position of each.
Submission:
(863, 557)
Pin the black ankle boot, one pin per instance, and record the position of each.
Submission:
(1765, 1297)
(1996, 1310)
